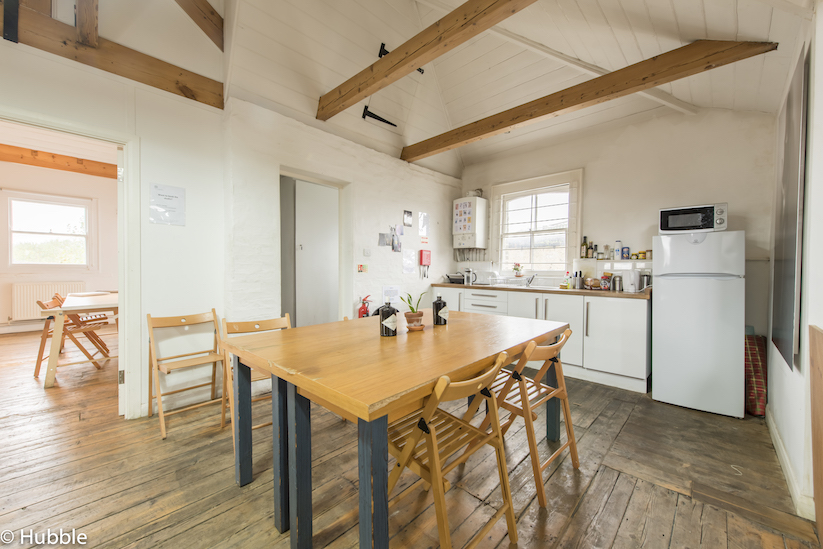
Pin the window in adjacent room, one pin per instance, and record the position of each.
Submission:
(49, 230)
(537, 223)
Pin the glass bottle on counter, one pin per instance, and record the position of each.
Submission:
(440, 311)
(388, 320)
(584, 249)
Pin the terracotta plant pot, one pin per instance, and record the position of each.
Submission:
(414, 321)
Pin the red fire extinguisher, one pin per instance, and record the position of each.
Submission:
(363, 311)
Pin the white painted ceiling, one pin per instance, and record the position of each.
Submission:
(287, 53)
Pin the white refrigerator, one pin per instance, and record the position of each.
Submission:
(698, 323)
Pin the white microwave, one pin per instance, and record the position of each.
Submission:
(694, 219)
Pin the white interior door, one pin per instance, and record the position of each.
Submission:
(317, 251)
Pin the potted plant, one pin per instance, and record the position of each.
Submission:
(518, 269)
(414, 316)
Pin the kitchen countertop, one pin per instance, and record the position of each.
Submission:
(548, 290)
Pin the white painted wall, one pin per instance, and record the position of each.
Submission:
(630, 173)
(103, 274)
(789, 408)
(170, 140)
(285, 54)
(374, 191)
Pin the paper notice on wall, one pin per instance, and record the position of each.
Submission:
(423, 227)
(408, 261)
(407, 218)
(167, 205)
(391, 294)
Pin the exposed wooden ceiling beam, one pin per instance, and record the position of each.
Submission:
(86, 15)
(20, 155)
(659, 96)
(50, 35)
(694, 58)
(206, 18)
(457, 27)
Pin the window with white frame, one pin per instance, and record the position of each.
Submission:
(49, 230)
(537, 223)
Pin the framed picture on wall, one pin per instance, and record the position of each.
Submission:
(788, 228)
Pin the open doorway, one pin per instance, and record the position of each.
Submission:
(310, 251)
(59, 216)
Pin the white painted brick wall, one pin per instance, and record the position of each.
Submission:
(376, 190)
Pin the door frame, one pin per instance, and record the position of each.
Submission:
(128, 246)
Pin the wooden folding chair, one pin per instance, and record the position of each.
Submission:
(522, 395)
(174, 363)
(425, 441)
(98, 320)
(250, 327)
(70, 328)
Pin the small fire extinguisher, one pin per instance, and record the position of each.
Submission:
(363, 311)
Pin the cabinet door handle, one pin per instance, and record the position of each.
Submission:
(460, 301)
(486, 306)
(546, 309)
(485, 295)
(586, 319)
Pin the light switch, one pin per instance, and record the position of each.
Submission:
(366, 252)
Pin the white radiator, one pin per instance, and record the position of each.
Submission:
(24, 296)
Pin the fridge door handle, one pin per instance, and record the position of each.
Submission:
(684, 276)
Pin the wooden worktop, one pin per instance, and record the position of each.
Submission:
(543, 290)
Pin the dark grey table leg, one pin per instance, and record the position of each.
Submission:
(242, 422)
(552, 409)
(373, 464)
(280, 453)
(299, 439)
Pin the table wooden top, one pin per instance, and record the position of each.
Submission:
(86, 303)
(349, 365)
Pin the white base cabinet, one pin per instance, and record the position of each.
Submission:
(610, 341)
(452, 296)
(616, 336)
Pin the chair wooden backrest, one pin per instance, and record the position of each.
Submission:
(253, 326)
(158, 322)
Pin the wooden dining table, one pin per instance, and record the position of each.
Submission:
(348, 368)
(81, 304)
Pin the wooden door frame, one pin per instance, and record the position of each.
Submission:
(130, 336)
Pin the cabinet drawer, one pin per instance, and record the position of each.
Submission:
(474, 294)
(473, 305)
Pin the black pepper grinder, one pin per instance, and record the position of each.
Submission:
(441, 311)
(388, 320)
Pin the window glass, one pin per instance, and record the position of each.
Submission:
(534, 229)
(44, 233)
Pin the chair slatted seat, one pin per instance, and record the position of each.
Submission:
(522, 395)
(428, 442)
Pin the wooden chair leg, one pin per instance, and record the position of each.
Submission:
(214, 380)
(224, 398)
(505, 487)
(83, 350)
(532, 439)
(567, 414)
(438, 491)
(42, 350)
(159, 394)
(151, 392)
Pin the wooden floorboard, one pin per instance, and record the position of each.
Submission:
(651, 474)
